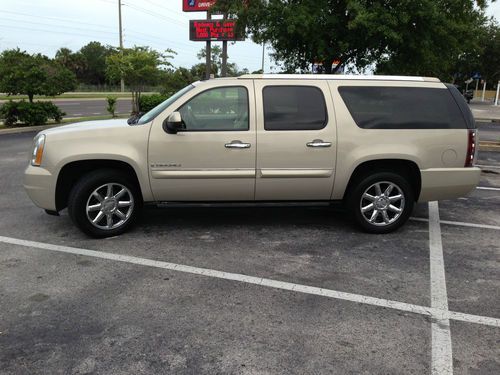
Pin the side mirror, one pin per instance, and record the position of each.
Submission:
(173, 123)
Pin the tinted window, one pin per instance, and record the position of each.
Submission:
(402, 108)
(218, 109)
(294, 108)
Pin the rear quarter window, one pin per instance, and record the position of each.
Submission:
(374, 107)
(294, 108)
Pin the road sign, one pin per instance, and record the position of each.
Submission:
(476, 75)
(469, 81)
(213, 30)
(197, 5)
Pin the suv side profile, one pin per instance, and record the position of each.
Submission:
(378, 143)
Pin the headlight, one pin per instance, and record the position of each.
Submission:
(38, 146)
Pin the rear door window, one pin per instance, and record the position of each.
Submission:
(402, 107)
(294, 108)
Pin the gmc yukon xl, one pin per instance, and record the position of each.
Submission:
(377, 143)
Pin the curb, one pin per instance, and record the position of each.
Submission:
(28, 129)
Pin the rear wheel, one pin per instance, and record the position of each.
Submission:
(381, 202)
(104, 203)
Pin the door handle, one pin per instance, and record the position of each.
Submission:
(237, 144)
(318, 143)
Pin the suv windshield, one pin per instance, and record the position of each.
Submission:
(147, 117)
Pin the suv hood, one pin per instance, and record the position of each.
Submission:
(88, 126)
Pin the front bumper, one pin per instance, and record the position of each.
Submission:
(40, 186)
(448, 183)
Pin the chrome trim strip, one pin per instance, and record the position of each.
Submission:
(200, 173)
(295, 173)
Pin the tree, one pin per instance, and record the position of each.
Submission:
(25, 74)
(94, 55)
(403, 36)
(75, 62)
(139, 66)
(215, 58)
(489, 59)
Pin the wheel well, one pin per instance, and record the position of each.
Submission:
(73, 171)
(406, 168)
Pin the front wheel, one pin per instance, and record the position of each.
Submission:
(104, 203)
(381, 202)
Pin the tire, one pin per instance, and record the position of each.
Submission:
(117, 208)
(392, 212)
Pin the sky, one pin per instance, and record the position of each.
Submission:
(46, 25)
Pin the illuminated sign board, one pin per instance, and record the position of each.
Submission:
(197, 5)
(215, 30)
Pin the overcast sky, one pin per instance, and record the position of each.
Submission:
(46, 25)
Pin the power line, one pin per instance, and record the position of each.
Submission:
(48, 31)
(51, 25)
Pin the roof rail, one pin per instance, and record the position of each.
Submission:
(339, 77)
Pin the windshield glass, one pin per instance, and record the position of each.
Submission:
(162, 106)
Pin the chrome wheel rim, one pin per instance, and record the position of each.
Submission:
(382, 203)
(110, 206)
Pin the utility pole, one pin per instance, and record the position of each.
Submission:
(122, 82)
(263, 51)
(223, 72)
(208, 52)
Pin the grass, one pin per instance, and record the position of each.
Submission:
(67, 121)
(75, 95)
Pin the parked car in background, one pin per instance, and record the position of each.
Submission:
(377, 143)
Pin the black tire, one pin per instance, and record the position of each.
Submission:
(82, 194)
(355, 202)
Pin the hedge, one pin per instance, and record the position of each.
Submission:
(36, 113)
(148, 102)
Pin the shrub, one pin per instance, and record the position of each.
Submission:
(148, 102)
(27, 113)
(111, 108)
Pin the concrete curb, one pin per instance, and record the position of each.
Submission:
(28, 129)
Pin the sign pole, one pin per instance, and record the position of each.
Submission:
(484, 90)
(224, 55)
(208, 68)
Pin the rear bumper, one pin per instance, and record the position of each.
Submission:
(448, 183)
(40, 187)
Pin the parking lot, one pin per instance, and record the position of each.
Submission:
(250, 290)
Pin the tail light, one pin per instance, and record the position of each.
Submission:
(471, 148)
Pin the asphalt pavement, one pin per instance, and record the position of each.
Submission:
(489, 131)
(92, 107)
(259, 290)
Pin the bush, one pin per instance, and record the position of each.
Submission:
(111, 108)
(148, 102)
(37, 113)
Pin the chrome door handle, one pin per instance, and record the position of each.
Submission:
(237, 144)
(318, 143)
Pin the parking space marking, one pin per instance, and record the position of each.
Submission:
(487, 188)
(373, 301)
(442, 359)
(458, 223)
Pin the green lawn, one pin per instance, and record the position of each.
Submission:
(76, 95)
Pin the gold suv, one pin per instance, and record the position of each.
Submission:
(377, 143)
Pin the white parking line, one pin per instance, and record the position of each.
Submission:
(487, 188)
(442, 360)
(458, 223)
(380, 302)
